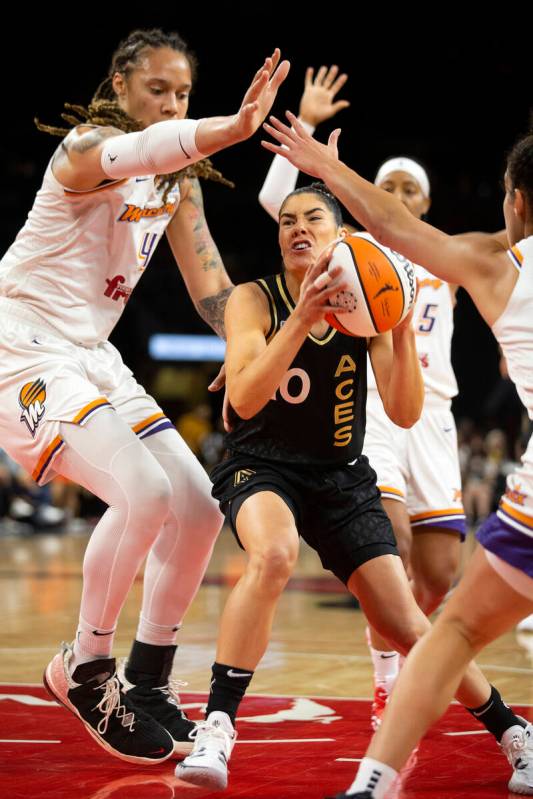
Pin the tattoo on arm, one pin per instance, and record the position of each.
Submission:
(204, 245)
(211, 309)
(91, 139)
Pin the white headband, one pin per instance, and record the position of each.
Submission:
(403, 164)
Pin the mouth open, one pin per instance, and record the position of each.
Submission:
(301, 246)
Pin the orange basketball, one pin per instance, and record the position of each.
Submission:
(382, 286)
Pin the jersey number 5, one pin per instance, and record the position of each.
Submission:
(426, 320)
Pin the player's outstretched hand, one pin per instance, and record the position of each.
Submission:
(298, 146)
(260, 96)
(318, 99)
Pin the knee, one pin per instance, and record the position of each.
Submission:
(431, 589)
(151, 498)
(402, 632)
(433, 581)
(476, 636)
(271, 568)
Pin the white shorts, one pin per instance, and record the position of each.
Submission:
(516, 505)
(419, 466)
(46, 380)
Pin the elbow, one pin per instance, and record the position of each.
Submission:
(407, 420)
(243, 411)
(406, 417)
(243, 404)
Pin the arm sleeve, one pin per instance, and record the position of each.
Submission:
(159, 149)
(279, 182)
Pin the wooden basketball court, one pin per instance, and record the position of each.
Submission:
(302, 730)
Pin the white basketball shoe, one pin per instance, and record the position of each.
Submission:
(207, 765)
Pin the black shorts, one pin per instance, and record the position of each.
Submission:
(337, 511)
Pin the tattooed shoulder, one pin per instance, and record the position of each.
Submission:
(86, 137)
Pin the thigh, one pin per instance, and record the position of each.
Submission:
(43, 383)
(484, 604)
(107, 458)
(343, 518)
(434, 485)
(239, 477)
(132, 403)
(191, 486)
(265, 524)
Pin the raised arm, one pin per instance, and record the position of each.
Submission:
(90, 155)
(476, 261)
(316, 105)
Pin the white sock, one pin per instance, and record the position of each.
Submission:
(91, 643)
(156, 634)
(373, 776)
(386, 665)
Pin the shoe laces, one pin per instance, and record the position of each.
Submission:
(171, 690)
(171, 693)
(206, 734)
(111, 702)
(517, 747)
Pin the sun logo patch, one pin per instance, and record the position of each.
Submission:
(32, 399)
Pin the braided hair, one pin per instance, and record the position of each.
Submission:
(104, 109)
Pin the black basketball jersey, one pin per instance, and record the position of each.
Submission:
(318, 413)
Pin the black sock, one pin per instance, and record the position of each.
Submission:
(496, 715)
(149, 663)
(228, 687)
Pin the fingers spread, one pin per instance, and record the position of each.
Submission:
(331, 75)
(320, 75)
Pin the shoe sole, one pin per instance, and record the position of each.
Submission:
(57, 696)
(524, 790)
(202, 777)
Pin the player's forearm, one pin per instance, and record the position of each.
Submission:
(211, 308)
(376, 210)
(256, 384)
(405, 391)
(216, 133)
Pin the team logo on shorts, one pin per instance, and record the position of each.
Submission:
(515, 495)
(31, 399)
(242, 476)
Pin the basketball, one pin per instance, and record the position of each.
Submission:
(382, 286)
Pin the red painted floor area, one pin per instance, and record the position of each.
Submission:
(288, 748)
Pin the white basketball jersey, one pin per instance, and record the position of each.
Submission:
(514, 328)
(433, 326)
(80, 254)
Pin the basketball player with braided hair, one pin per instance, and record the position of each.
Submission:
(125, 174)
(496, 590)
